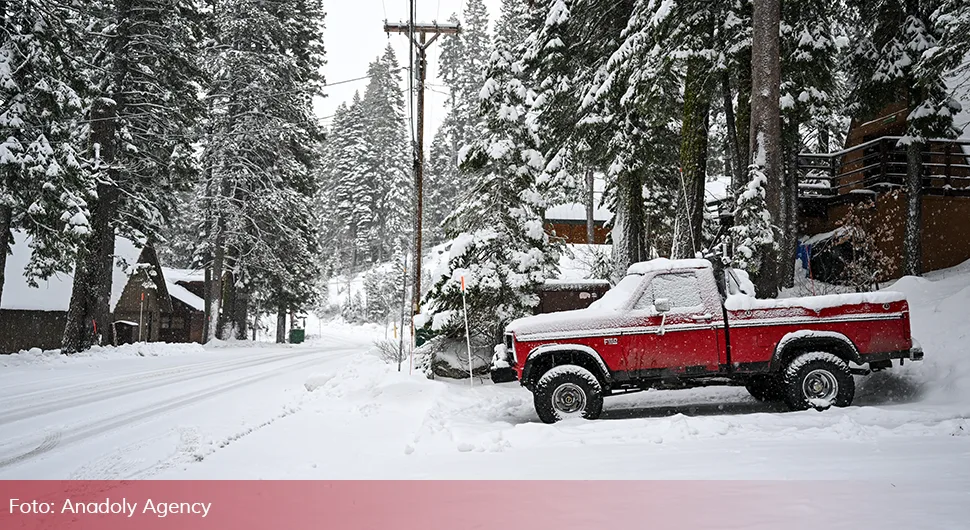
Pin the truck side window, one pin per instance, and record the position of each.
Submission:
(682, 289)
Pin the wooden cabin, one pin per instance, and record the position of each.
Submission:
(569, 222)
(872, 167)
(149, 303)
(187, 291)
(34, 317)
(566, 295)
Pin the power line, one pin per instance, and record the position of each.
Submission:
(249, 98)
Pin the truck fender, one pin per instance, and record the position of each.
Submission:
(805, 340)
(540, 352)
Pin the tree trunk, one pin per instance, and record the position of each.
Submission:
(207, 298)
(590, 208)
(89, 309)
(766, 127)
(215, 283)
(823, 136)
(912, 244)
(281, 325)
(629, 236)
(743, 116)
(6, 220)
(788, 240)
(688, 238)
(736, 164)
(240, 311)
(89, 312)
(228, 300)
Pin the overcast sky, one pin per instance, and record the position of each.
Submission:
(355, 36)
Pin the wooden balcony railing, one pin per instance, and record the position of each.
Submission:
(880, 164)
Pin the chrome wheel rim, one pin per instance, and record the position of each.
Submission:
(820, 384)
(569, 398)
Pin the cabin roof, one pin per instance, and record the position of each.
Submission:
(180, 293)
(54, 293)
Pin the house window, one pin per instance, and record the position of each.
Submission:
(172, 322)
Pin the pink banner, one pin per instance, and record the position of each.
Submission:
(506, 505)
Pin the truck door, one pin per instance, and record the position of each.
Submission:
(682, 339)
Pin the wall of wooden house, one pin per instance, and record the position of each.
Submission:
(946, 225)
(23, 330)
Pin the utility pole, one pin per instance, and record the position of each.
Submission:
(418, 35)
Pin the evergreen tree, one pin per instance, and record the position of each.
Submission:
(387, 158)
(500, 247)
(261, 160)
(144, 78)
(811, 100)
(42, 184)
(464, 65)
(444, 182)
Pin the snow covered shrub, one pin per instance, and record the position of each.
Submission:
(390, 351)
(865, 262)
(502, 276)
(383, 289)
(448, 357)
(752, 232)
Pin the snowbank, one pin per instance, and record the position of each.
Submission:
(36, 356)
(664, 264)
(940, 319)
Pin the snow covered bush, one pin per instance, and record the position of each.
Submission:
(502, 273)
(753, 231)
(865, 263)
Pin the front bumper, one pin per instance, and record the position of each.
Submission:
(504, 375)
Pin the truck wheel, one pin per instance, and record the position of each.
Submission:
(765, 388)
(568, 391)
(818, 380)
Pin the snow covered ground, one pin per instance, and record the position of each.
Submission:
(332, 409)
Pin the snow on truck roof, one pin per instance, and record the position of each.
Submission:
(54, 293)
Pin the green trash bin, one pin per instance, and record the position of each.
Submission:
(297, 336)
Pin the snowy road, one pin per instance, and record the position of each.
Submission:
(131, 417)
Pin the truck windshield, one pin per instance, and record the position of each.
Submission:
(618, 296)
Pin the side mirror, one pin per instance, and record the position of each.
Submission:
(662, 305)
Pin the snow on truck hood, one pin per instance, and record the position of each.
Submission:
(577, 320)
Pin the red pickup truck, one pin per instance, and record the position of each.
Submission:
(683, 323)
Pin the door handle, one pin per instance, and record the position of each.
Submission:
(706, 316)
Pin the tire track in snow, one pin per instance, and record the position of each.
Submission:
(49, 442)
(91, 429)
(12, 395)
(69, 398)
